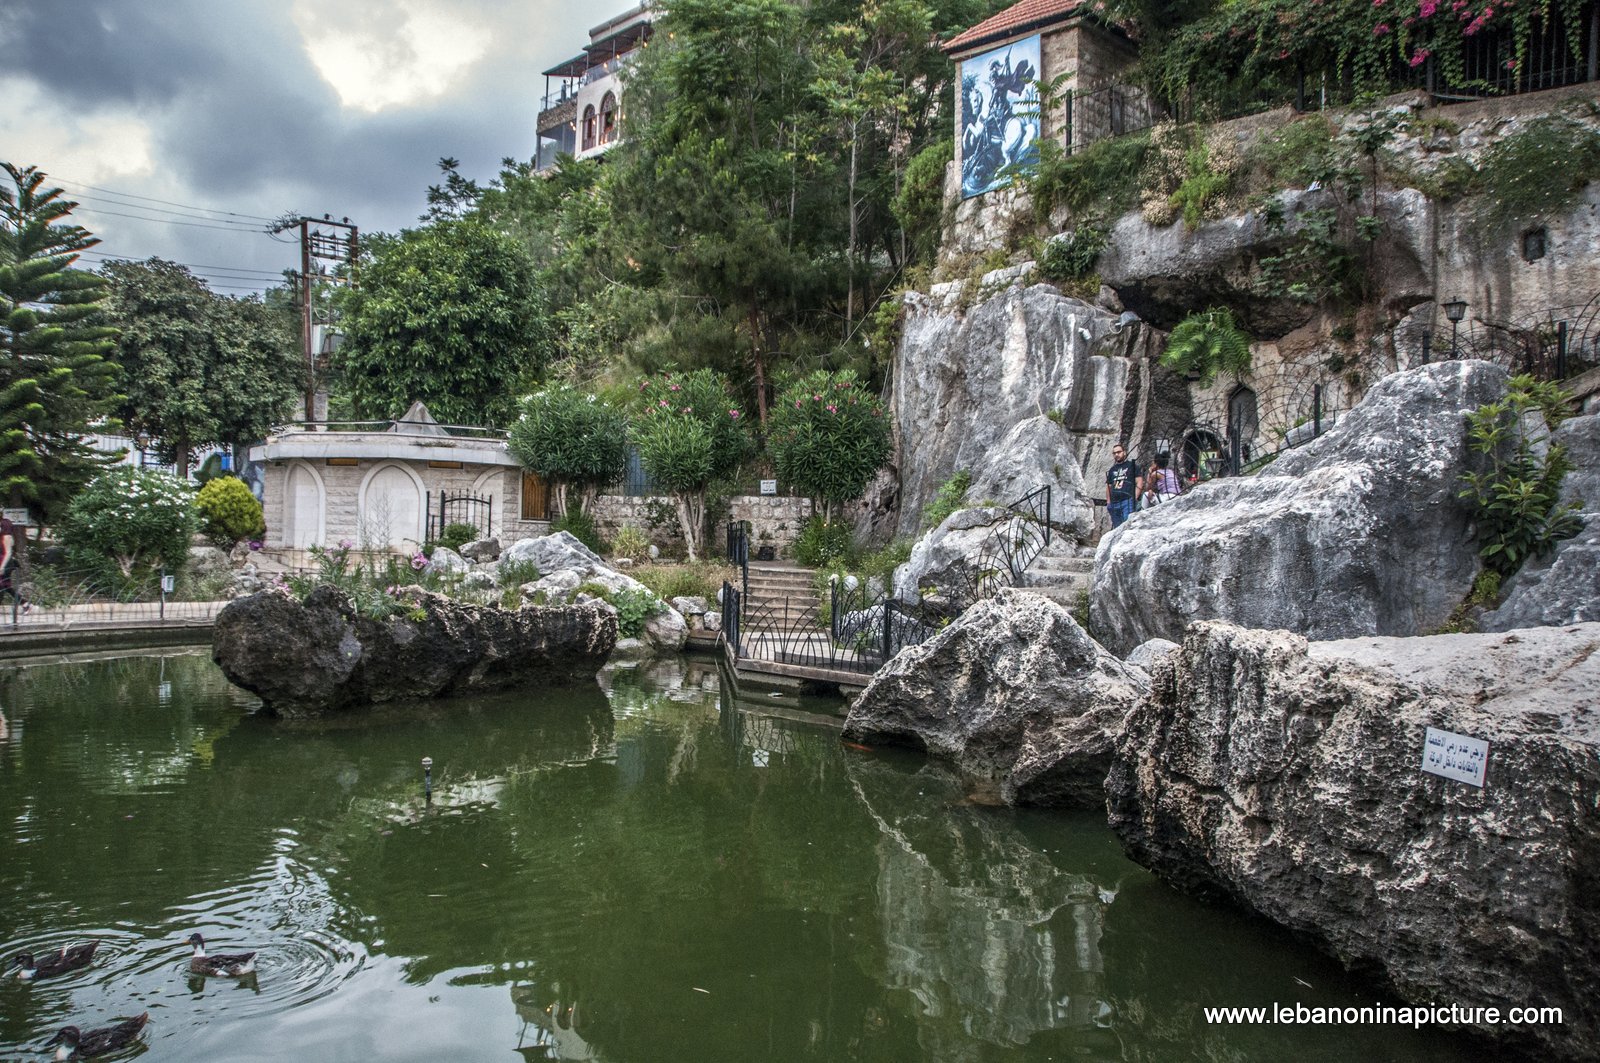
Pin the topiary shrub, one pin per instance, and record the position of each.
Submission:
(127, 523)
(229, 511)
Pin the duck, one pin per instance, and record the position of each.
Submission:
(52, 964)
(224, 965)
(82, 1044)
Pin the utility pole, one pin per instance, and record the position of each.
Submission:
(317, 244)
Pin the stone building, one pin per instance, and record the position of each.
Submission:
(581, 112)
(391, 487)
(1005, 58)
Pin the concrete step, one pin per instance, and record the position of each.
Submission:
(1067, 596)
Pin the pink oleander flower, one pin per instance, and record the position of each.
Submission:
(1380, 29)
(419, 560)
(734, 414)
(797, 404)
(1428, 8)
(1379, 3)
(675, 387)
(664, 403)
(832, 408)
(345, 544)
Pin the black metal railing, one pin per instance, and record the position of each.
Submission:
(464, 509)
(1553, 345)
(732, 602)
(739, 552)
(1008, 550)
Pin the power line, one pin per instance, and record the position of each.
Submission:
(169, 221)
(168, 202)
(86, 202)
(275, 275)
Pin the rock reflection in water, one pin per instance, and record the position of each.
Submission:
(990, 938)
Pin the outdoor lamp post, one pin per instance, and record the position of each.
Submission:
(1455, 310)
(427, 777)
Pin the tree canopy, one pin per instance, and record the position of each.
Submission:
(449, 314)
(57, 381)
(200, 369)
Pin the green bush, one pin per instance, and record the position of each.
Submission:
(951, 496)
(1099, 181)
(514, 574)
(1538, 171)
(458, 535)
(1072, 256)
(690, 433)
(828, 436)
(822, 543)
(702, 579)
(919, 205)
(129, 522)
(1516, 499)
(229, 512)
(631, 543)
(633, 607)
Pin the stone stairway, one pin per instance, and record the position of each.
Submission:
(771, 582)
(1063, 572)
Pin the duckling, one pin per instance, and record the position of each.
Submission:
(50, 965)
(230, 965)
(81, 1044)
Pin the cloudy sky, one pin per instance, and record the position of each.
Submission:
(206, 117)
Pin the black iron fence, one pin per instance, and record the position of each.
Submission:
(857, 631)
(463, 508)
(1555, 344)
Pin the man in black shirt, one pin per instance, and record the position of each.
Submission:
(1123, 485)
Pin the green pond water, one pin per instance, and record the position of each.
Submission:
(648, 869)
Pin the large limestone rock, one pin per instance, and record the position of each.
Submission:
(1563, 588)
(319, 655)
(1359, 532)
(1015, 693)
(1285, 775)
(1164, 272)
(945, 557)
(975, 390)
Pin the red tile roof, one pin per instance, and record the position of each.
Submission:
(1016, 19)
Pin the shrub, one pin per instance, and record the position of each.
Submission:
(951, 496)
(1100, 180)
(1207, 343)
(128, 522)
(514, 574)
(634, 607)
(699, 580)
(822, 543)
(1072, 256)
(1538, 171)
(630, 543)
(690, 433)
(456, 536)
(919, 205)
(229, 511)
(1516, 500)
(570, 438)
(827, 436)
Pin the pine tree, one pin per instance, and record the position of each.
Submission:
(55, 377)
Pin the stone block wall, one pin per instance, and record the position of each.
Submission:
(775, 520)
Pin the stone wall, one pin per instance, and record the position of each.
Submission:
(341, 498)
(774, 520)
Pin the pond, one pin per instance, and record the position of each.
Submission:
(650, 869)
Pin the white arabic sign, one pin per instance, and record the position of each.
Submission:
(769, 487)
(1454, 756)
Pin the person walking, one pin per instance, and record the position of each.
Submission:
(1123, 486)
(10, 562)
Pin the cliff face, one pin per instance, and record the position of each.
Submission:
(1025, 388)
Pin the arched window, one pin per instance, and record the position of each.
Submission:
(589, 127)
(608, 118)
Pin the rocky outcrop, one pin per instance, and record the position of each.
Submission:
(944, 559)
(1025, 388)
(1564, 587)
(319, 655)
(1359, 532)
(1015, 693)
(1285, 775)
(567, 564)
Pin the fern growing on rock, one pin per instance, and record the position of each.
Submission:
(1207, 343)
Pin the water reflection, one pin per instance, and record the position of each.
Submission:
(987, 936)
(646, 869)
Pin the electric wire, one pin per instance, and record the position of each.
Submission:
(194, 267)
(169, 202)
(168, 221)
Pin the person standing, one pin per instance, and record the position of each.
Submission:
(1123, 485)
(1162, 483)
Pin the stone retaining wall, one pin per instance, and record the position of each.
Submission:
(775, 520)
